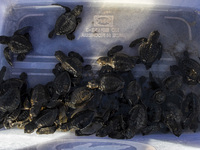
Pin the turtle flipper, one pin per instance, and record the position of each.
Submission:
(23, 76)
(2, 73)
(23, 30)
(78, 20)
(70, 36)
(87, 67)
(76, 55)
(7, 55)
(51, 34)
(114, 50)
(4, 40)
(27, 35)
(21, 57)
(67, 9)
(137, 41)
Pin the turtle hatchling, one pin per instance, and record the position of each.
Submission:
(67, 22)
(38, 100)
(109, 82)
(80, 96)
(188, 68)
(118, 61)
(19, 44)
(70, 63)
(149, 50)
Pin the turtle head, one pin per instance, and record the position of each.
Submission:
(77, 10)
(4, 39)
(154, 36)
(92, 84)
(33, 113)
(160, 97)
(103, 61)
(60, 56)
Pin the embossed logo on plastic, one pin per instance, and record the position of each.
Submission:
(94, 144)
(103, 20)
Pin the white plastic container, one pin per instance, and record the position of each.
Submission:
(105, 23)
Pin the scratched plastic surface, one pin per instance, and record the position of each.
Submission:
(104, 24)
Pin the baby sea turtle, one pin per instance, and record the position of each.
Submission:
(62, 115)
(10, 119)
(47, 130)
(137, 120)
(20, 83)
(45, 119)
(66, 24)
(113, 128)
(19, 44)
(133, 91)
(62, 83)
(93, 102)
(107, 83)
(154, 115)
(22, 119)
(149, 50)
(71, 64)
(38, 100)
(10, 100)
(61, 86)
(191, 111)
(9, 104)
(188, 68)
(172, 117)
(79, 121)
(92, 128)
(118, 61)
(171, 85)
(80, 96)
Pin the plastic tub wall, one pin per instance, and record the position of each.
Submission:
(104, 24)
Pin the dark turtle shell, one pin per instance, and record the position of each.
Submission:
(110, 83)
(148, 52)
(133, 92)
(173, 118)
(10, 100)
(79, 96)
(173, 83)
(38, 99)
(62, 83)
(71, 64)
(46, 130)
(65, 24)
(190, 69)
(122, 62)
(20, 44)
(46, 118)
